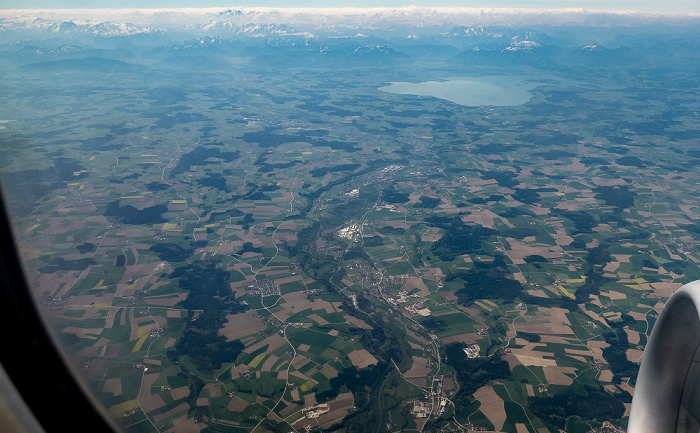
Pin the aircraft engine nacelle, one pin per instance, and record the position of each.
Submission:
(667, 394)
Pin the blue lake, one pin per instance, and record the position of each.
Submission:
(497, 90)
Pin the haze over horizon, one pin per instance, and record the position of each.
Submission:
(638, 6)
(411, 17)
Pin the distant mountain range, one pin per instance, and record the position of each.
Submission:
(309, 23)
(55, 27)
(204, 38)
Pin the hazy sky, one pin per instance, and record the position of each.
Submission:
(668, 6)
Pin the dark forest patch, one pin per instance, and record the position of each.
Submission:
(266, 167)
(395, 197)
(592, 403)
(554, 154)
(172, 252)
(130, 215)
(157, 186)
(61, 264)
(214, 180)
(427, 202)
(494, 149)
(520, 233)
(37, 183)
(249, 248)
(269, 138)
(527, 196)
(322, 171)
(459, 238)
(618, 196)
(104, 143)
(209, 295)
(474, 373)
(85, 248)
(630, 161)
(203, 156)
(535, 258)
(167, 95)
(553, 138)
(505, 179)
(583, 221)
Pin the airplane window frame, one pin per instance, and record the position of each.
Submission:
(43, 380)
